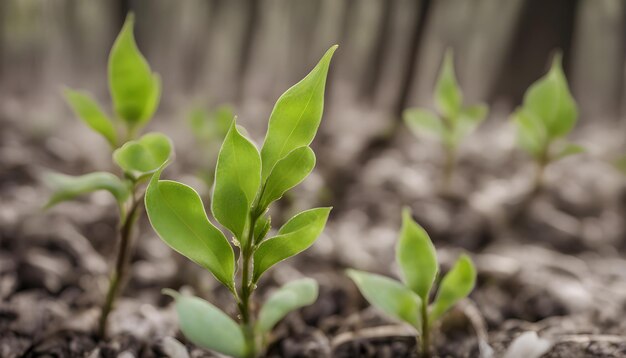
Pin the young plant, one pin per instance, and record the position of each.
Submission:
(246, 184)
(135, 92)
(546, 117)
(454, 120)
(408, 300)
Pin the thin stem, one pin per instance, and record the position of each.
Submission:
(118, 275)
(247, 287)
(425, 351)
(448, 169)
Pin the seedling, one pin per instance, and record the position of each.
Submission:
(246, 184)
(546, 117)
(453, 122)
(408, 300)
(135, 92)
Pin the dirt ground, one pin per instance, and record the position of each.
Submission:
(556, 267)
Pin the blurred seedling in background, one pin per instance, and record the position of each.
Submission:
(246, 183)
(209, 129)
(453, 122)
(408, 301)
(135, 92)
(547, 115)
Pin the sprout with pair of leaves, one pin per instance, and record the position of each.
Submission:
(546, 117)
(454, 122)
(135, 92)
(246, 183)
(408, 300)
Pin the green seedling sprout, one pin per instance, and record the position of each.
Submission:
(546, 117)
(246, 183)
(135, 91)
(453, 122)
(408, 301)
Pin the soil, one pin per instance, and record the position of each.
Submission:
(556, 266)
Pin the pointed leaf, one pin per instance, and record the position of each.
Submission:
(531, 135)
(456, 285)
(291, 296)
(416, 256)
(88, 110)
(550, 100)
(287, 173)
(142, 157)
(135, 90)
(448, 96)
(66, 187)
(390, 296)
(177, 215)
(296, 116)
(295, 236)
(569, 149)
(237, 180)
(208, 327)
(421, 120)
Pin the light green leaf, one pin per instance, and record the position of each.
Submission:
(142, 157)
(421, 120)
(177, 215)
(295, 236)
(296, 116)
(135, 90)
(416, 256)
(390, 296)
(66, 187)
(88, 110)
(291, 296)
(620, 164)
(261, 228)
(211, 126)
(448, 96)
(237, 180)
(569, 149)
(474, 114)
(207, 326)
(531, 135)
(456, 285)
(287, 173)
(550, 100)
(469, 118)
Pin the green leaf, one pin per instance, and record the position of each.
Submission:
(620, 164)
(295, 236)
(390, 296)
(142, 157)
(456, 285)
(237, 180)
(421, 120)
(531, 135)
(177, 215)
(448, 96)
(291, 296)
(287, 173)
(416, 256)
(468, 119)
(88, 110)
(211, 126)
(261, 228)
(550, 100)
(207, 326)
(296, 116)
(135, 90)
(474, 114)
(569, 149)
(66, 187)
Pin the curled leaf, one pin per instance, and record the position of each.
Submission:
(67, 187)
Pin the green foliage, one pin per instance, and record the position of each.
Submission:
(290, 297)
(66, 187)
(547, 116)
(408, 301)
(454, 121)
(246, 183)
(135, 91)
(207, 326)
(141, 158)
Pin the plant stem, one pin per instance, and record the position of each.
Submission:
(247, 288)
(448, 169)
(425, 332)
(121, 264)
